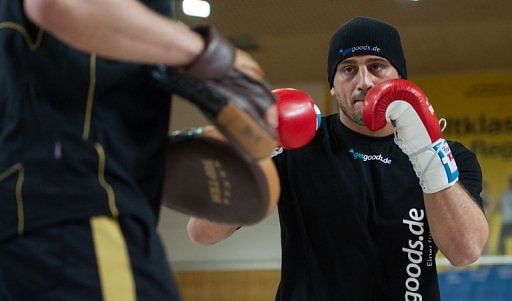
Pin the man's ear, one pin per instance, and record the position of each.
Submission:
(333, 93)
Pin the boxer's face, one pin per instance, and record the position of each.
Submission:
(354, 77)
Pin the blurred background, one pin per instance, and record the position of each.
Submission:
(458, 52)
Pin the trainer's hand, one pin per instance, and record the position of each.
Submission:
(417, 131)
(229, 87)
(298, 118)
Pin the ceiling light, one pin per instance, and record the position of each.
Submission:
(196, 8)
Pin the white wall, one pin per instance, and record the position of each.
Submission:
(251, 247)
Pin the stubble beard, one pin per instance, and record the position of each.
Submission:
(352, 112)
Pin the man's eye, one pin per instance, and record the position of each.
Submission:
(376, 67)
(348, 70)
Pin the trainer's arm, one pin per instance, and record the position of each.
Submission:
(205, 232)
(118, 29)
(458, 225)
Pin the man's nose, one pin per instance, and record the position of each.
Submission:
(364, 80)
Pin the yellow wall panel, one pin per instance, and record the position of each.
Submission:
(260, 285)
(478, 110)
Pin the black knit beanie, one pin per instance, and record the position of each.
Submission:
(363, 35)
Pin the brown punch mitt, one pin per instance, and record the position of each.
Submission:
(228, 86)
(207, 177)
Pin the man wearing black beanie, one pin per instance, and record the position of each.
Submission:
(362, 36)
(366, 205)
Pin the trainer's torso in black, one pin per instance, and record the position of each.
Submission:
(353, 221)
(79, 135)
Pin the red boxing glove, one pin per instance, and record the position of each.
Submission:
(298, 117)
(383, 94)
(417, 131)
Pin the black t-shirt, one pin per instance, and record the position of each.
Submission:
(353, 221)
(79, 135)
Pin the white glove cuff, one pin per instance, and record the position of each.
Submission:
(435, 167)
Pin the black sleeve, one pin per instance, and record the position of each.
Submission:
(278, 157)
(470, 173)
